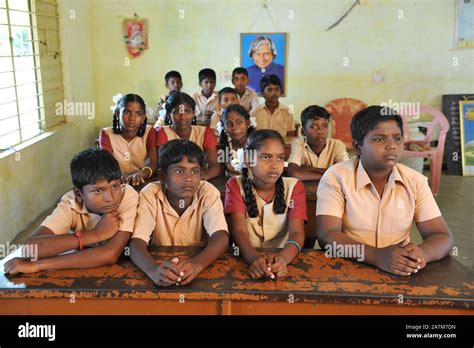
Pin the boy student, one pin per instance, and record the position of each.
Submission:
(246, 96)
(173, 82)
(100, 211)
(227, 96)
(371, 200)
(313, 153)
(272, 114)
(180, 209)
(206, 100)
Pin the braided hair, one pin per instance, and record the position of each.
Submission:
(128, 98)
(223, 137)
(254, 142)
(175, 99)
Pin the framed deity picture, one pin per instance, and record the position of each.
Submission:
(264, 54)
(466, 117)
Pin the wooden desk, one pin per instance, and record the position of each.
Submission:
(310, 188)
(315, 285)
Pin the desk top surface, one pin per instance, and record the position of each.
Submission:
(311, 278)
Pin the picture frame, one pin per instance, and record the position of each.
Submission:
(263, 54)
(466, 115)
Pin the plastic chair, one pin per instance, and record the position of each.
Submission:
(435, 154)
(342, 110)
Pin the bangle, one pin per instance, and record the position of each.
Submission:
(78, 235)
(291, 241)
(149, 170)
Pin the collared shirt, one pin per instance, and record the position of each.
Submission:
(130, 155)
(158, 223)
(281, 120)
(69, 215)
(267, 229)
(249, 100)
(205, 104)
(202, 136)
(346, 191)
(302, 154)
(256, 74)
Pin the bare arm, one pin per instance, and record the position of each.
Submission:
(437, 238)
(305, 173)
(214, 168)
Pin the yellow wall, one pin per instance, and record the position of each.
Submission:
(33, 184)
(413, 54)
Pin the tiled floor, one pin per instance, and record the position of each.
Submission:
(456, 201)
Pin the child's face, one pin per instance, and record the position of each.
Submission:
(102, 197)
(240, 81)
(227, 99)
(182, 116)
(382, 147)
(270, 162)
(208, 86)
(316, 130)
(263, 56)
(182, 178)
(236, 126)
(271, 93)
(132, 117)
(174, 84)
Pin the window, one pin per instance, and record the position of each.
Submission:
(30, 69)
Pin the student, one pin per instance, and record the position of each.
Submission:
(180, 209)
(227, 96)
(206, 100)
(371, 201)
(246, 96)
(264, 209)
(130, 140)
(272, 114)
(181, 122)
(173, 82)
(313, 153)
(237, 125)
(99, 213)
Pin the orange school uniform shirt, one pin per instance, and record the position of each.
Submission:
(302, 154)
(157, 222)
(203, 136)
(267, 229)
(69, 215)
(281, 120)
(346, 191)
(130, 155)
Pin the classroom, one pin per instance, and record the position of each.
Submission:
(274, 157)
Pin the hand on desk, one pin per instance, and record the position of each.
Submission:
(135, 179)
(19, 265)
(270, 266)
(176, 272)
(400, 260)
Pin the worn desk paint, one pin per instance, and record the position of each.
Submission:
(310, 188)
(315, 285)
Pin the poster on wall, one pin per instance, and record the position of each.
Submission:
(263, 54)
(464, 24)
(466, 114)
(136, 36)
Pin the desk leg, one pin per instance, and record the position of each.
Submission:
(226, 307)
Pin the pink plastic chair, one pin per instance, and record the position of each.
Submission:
(342, 110)
(435, 154)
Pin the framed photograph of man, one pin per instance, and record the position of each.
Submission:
(263, 54)
(466, 116)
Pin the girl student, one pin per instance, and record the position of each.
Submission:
(181, 124)
(130, 140)
(264, 209)
(234, 128)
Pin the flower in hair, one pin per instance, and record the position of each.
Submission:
(116, 98)
(253, 122)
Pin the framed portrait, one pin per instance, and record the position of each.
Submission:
(466, 114)
(263, 54)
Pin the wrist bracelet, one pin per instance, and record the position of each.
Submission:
(291, 241)
(149, 170)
